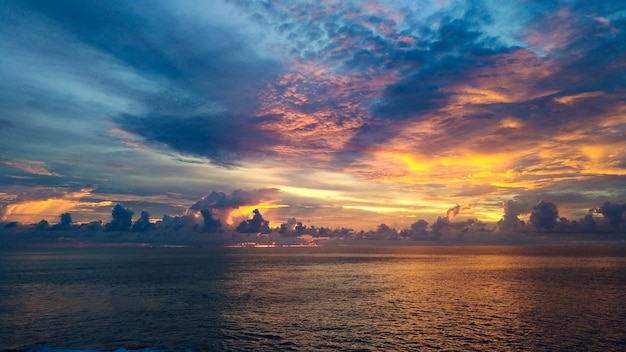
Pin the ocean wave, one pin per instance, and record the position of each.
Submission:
(62, 349)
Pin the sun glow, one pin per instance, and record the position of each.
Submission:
(32, 211)
(379, 209)
(243, 213)
(461, 166)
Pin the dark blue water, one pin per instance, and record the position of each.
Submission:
(301, 299)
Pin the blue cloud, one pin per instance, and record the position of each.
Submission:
(224, 139)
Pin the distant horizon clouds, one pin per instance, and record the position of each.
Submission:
(336, 113)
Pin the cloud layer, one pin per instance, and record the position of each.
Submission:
(354, 110)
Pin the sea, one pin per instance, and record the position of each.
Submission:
(341, 298)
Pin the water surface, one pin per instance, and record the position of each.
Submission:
(300, 299)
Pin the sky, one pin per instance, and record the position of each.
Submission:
(337, 113)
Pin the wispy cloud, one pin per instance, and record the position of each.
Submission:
(29, 166)
(417, 105)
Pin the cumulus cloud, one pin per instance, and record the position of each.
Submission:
(289, 226)
(544, 215)
(613, 212)
(210, 224)
(65, 223)
(512, 210)
(122, 219)
(236, 199)
(66, 219)
(501, 99)
(221, 204)
(143, 223)
(417, 231)
(440, 224)
(254, 225)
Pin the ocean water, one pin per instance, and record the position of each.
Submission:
(311, 299)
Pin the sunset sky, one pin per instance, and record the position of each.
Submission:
(337, 113)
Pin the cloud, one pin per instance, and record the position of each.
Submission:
(256, 224)
(440, 224)
(454, 211)
(613, 212)
(236, 199)
(316, 108)
(143, 223)
(221, 204)
(432, 103)
(512, 210)
(288, 228)
(210, 224)
(375, 40)
(46, 203)
(577, 98)
(419, 229)
(121, 219)
(450, 97)
(194, 66)
(443, 223)
(225, 140)
(29, 166)
(544, 215)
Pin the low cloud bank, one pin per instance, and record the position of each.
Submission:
(202, 225)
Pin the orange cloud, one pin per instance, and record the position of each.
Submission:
(512, 78)
(318, 109)
(572, 99)
(29, 166)
(31, 211)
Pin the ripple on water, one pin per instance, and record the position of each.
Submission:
(322, 299)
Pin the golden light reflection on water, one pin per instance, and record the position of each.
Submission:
(458, 298)
(382, 298)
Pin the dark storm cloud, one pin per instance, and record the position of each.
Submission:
(225, 140)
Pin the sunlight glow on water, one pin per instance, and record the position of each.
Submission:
(363, 298)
